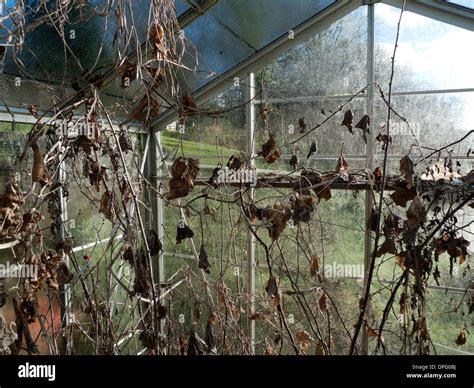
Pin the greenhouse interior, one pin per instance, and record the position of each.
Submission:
(236, 177)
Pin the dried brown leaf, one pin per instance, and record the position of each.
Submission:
(461, 338)
(273, 291)
(323, 302)
(204, 260)
(415, 213)
(348, 120)
(303, 339)
(315, 265)
(39, 172)
(407, 170)
(342, 166)
(401, 196)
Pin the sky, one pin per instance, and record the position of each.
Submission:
(440, 54)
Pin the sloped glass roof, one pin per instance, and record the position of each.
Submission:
(224, 36)
(44, 56)
(232, 31)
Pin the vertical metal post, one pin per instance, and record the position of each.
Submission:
(250, 126)
(155, 163)
(370, 152)
(61, 234)
(156, 218)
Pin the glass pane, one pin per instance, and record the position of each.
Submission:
(436, 120)
(232, 31)
(333, 62)
(259, 22)
(283, 122)
(430, 54)
(93, 43)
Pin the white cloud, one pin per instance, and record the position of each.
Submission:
(389, 16)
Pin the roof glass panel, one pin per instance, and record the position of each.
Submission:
(231, 31)
(93, 43)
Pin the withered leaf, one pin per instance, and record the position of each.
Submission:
(39, 172)
(294, 162)
(404, 302)
(178, 167)
(303, 339)
(209, 338)
(401, 259)
(276, 217)
(196, 313)
(273, 291)
(209, 211)
(371, 332)
(415, 213)
(154, 243)
(204, 260)
(258, 316)
(212, 318)
(388, 246)
(302, 206)
(264, 113)
(193, 168)
(323, 192)
(183, 232)
(384, 139)
(97, 174)
(64, 275)
(273, 156)
(235, 162)
(461, 338)
(315, 265)
(147, 338)
(147, 108)
(378, 173)
(302, 125)
(181, 186)
(348, 120)
(188, 105)
(320, 349)
(157, 38)
(364, 124)
(373, 220)
(342, 166)
(65, 245)
(323, 303)
(129, 255)
(108, 205)
(33, 109)
(401, 196)
(312, 149)
(214, 179)
(407, 170)
(268, 147)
